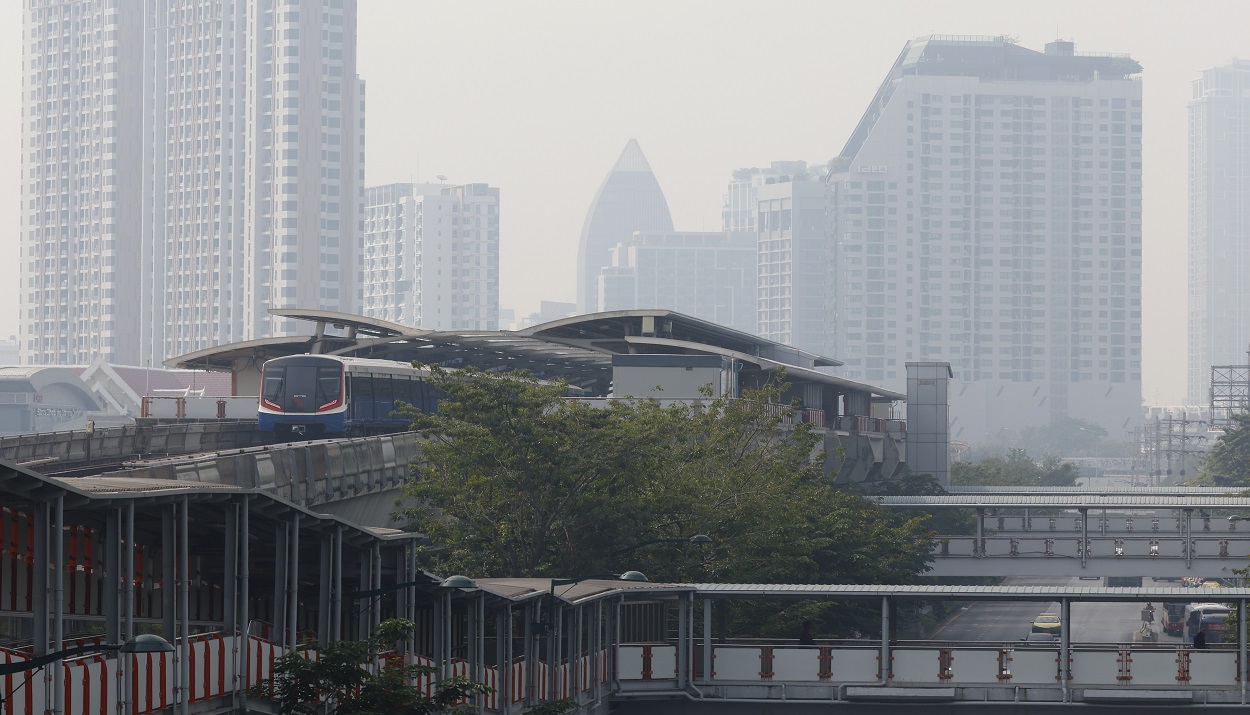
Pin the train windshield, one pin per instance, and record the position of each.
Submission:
(303, 388)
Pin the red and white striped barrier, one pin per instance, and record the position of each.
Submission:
(20, 697)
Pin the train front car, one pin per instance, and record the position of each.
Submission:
(303, 395)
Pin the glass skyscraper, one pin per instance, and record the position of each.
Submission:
(629, 200)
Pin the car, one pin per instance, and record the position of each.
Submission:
(1047, 623)
(1039, 640)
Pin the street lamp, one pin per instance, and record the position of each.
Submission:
(461, 582)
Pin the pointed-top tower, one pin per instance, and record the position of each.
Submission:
(629, 200)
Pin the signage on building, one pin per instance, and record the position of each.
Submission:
(872, 169)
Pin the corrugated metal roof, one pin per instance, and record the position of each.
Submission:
(117, 485)
(524, 589)
(945, 592)
(1072, 501)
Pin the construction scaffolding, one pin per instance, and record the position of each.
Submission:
(1230, 394)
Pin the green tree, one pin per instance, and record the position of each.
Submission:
(1017, 469)
(357, 678)
(1228, 462)
(517, 481)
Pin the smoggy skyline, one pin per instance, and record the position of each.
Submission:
(539, 98)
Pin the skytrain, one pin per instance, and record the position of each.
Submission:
(325, 395)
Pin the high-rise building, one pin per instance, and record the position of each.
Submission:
(705, 275)
(431, 255)
(1219, 224)
(987, 212)
(629, 200)
(794, 294)
(190, 164)
(741, 199)
(82, 188)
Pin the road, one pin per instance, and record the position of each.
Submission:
(1003, 622)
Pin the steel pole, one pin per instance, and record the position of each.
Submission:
(184, 607)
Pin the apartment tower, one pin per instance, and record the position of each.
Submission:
(1219, 224)
(986, 212)
(188, 165)
(431, 255)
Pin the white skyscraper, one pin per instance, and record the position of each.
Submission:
(82, 114)
(987, 212)
(1219, 224)
(431, 255)
(206, 161)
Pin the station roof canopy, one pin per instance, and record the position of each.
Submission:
(578, 349)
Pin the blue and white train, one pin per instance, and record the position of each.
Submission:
(326, 395)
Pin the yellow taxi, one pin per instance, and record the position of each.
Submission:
(1047, 623)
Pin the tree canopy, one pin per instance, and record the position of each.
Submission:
(1017, 469)
(1228, 462)
(360, 678)
(517, 481)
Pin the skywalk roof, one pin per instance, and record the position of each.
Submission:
(1073, 501)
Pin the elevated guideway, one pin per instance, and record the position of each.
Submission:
(357, 479)
(1167, 535)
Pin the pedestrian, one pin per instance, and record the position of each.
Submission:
(805, 636)
(1200, 640)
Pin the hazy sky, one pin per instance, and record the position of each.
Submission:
(538, 98)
